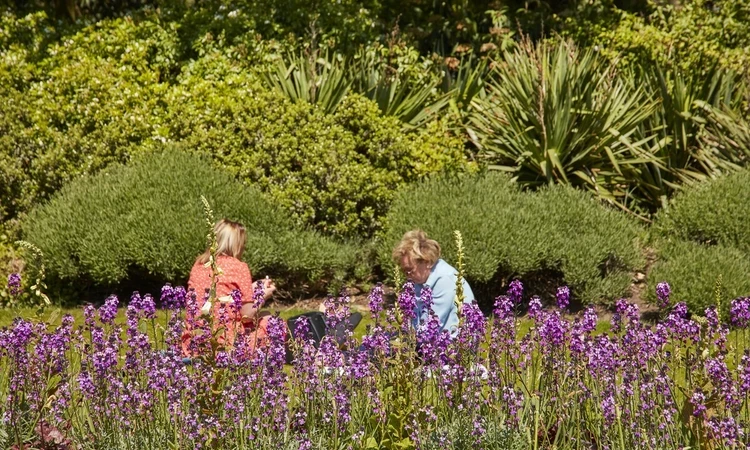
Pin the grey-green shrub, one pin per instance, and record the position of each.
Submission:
(556, 235)
(147, 219)
(692, 269)
(713, 212)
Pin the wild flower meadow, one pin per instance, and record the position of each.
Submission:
(680, 383)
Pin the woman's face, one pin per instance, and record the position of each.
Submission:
(416, 271)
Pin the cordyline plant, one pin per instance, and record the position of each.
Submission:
(406, 384)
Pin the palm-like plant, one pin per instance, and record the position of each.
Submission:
(322, 81)
(691, 121)
(464, 89)
(413, 102)
(553, 114)
(325, 81)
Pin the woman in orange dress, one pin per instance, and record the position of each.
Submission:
(233, 275)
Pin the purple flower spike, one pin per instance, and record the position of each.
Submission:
(148, 306)
(515, 291)
(236, 299)
(173, 297)
(376, 300)
(563, 297)
(14, 283)
(407, 302)
(108, 310)
(739, 312)
(699, 403)
(662, 293)
(535, 307)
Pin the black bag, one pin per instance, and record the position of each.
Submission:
(317, 326)
(316, 323)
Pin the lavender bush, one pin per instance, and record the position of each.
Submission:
(683, 382)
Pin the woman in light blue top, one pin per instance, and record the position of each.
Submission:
(419, 258)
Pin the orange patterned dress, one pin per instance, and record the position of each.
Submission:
(235, 276)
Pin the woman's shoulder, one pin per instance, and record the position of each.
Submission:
(443, 268)
(227, 263)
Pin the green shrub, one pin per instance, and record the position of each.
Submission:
(692, 269)
(93, 100)
(118, 88)
(556, 235)
(712, 212)
(145, 220)
(336, 172)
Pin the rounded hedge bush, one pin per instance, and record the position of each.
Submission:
(554, 236)
(692, 270)
(146, 220)
(712, 212)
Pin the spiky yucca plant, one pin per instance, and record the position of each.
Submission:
(325, 80)
(694, 125)
(554, 114)
(318, 80)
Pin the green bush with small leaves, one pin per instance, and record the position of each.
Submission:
(145, 221)
(713, 212)
(337, 172)
(692, 270)
(555, 235)
(86, 101)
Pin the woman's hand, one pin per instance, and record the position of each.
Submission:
(268, 288)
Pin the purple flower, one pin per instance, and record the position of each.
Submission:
(582, 327)
(376, 301)
(698, 400)
(148, 306)
(662, 294)
(503, 307)
(712, 317)
(739, 312)
(745, 374)
(608, 409)
(236, 295)
(679, 326)
(535, 307)
(14, 283)
(474, 326)
(407, 303)
(553, 330)
(726, 430)
(515, 291)
(258, 294)
(108, 311)
(563, 297)
(173, 297)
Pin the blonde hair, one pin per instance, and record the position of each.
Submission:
(230, 240)
(418, 247)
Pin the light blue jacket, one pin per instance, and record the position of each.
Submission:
(442, 281)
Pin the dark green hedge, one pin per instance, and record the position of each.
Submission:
(692, 270)
(556, 235)
(145, 221)
(712, 212)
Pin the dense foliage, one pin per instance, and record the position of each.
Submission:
(332, 106)
(143, 221)
(714, 212)
(556, 234)
(697, 271)
(335, 171)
